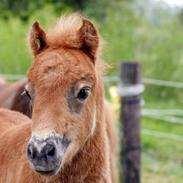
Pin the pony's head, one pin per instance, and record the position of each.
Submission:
(62, 88)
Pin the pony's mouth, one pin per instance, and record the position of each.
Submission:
(47, 173)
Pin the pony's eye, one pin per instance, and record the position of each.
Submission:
(83, 93)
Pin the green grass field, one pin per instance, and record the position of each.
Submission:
(162, 158)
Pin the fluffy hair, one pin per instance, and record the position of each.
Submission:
(66, 31)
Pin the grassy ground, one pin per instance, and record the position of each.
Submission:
(162, 158)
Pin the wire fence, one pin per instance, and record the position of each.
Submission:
(162, 135)
(174, 116)
(164, 115)
(151, 81)
(109, 79)
(12, 77)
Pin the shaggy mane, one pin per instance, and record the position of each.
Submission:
(66, 31)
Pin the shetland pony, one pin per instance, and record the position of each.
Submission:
(11, 97)
(69, 139)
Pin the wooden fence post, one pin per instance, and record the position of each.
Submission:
(130, 89)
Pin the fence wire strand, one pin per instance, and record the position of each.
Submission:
(162, 135)
(112, 79)
(163, 115)
(12, 77)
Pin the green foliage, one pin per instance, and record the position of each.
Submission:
(14, 54)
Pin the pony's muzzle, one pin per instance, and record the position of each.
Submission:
(45, 156)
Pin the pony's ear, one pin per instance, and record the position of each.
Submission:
(89, 38)
(37, 39)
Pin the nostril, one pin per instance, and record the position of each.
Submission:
(31, 152)
(50, 150)
(34, 155)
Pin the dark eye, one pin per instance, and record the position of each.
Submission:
(83, 93)
(25, 92)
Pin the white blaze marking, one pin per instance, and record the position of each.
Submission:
(94, 122)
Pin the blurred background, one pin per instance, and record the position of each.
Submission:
(148, 31)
